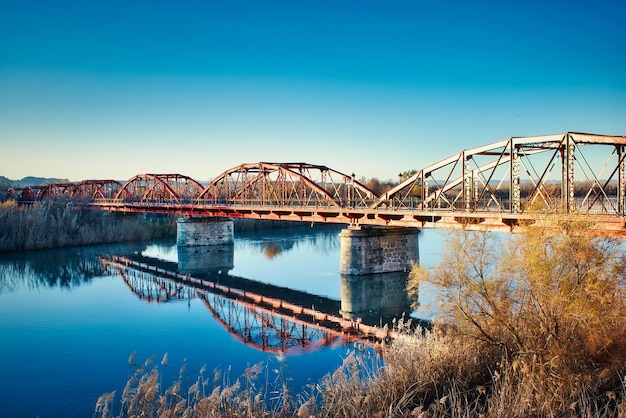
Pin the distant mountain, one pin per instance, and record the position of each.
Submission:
(6, 183)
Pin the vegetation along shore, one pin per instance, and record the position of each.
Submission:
(63, 223)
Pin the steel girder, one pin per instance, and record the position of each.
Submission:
(55, 190)
(154, 188)
(87, 189)
(24, 194)
(560, 173)
(286, 184)
(518, 174)
(96, 189)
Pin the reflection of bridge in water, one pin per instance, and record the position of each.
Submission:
(265, 323)
(503, 186)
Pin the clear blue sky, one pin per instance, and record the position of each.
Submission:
(110, 89)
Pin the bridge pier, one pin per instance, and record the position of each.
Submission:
(374, 265)
(214, 260)
(370, 250)
(374, 298)
(193, 232)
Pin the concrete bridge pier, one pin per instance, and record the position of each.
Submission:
(194, 232)
(214, 260)
(375, 298)
(374, 266)
(370, 250)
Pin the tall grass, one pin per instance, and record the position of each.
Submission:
(427, 374)
(208, 395)
(62, 223)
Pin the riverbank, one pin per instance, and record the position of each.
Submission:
(58, 224)
(63, 223)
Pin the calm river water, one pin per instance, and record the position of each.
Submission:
(68, 323)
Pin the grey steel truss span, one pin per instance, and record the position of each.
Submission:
(493, 186)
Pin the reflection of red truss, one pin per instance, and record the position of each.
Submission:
(268, 330)
(153, 289)
(264, 323)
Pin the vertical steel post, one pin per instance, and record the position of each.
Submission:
(515, 186)
(425, 188)
(352, 203)
(621, 183)
(467, 184)
(568, 175)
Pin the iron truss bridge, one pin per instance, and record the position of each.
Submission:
(493, 186)
(264, 323)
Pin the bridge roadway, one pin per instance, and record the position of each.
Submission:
(496, 186)
(404, 217)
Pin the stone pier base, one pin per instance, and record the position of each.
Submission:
(370, 250)
(213, 260)
(375, 297)
(191, 232)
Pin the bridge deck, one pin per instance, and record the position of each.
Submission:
(412, 218)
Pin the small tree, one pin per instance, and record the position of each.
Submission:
(552, 300)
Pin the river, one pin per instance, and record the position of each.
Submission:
(69, 322)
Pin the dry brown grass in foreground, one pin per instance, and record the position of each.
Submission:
(427, 374)
(445, 374)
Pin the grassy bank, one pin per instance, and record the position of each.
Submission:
(437, 373)
(62, 223)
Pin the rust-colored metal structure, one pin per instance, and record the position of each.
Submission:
(286, 184)
(493, 186)
(155, 188)
(96, 189)
(261, 322)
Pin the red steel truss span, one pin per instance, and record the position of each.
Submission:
(492, 186)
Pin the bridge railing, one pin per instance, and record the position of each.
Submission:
(597, 206)
(287, 203)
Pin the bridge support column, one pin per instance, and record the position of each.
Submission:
(374, 298)
(214, 260)
(191, 232)
(377, 250)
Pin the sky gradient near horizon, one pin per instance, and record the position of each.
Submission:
(95, 89)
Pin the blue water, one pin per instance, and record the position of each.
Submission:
(68, 325)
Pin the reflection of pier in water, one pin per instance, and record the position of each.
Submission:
(266, 323)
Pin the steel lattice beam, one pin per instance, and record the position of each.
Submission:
(502, 183)
(160, 187)
(286, 184)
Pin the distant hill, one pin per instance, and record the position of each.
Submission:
(6, 183)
